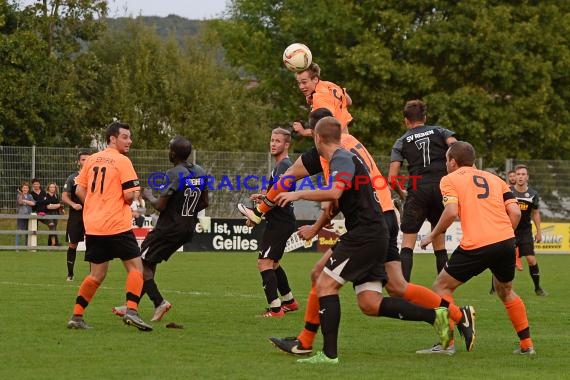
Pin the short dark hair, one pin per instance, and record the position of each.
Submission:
(317, 115)
(521, 166)
(415, 110)
(329, 129)
(34, 180)
(83, 153)
(511, 171)
(462, 152)
(113, 130)
(181, 147)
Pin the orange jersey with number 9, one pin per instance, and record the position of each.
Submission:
(482, 198)
(107, 176)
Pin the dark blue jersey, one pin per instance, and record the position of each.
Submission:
(187, 194)
(286, 213)
(424, 149)
(358, 202)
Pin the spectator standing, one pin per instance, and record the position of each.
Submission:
(53, 206)
(25, 203)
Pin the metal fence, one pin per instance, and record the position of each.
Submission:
(17, 164)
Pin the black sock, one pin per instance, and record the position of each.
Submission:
(535, 275)
(71, 255)
(269, 283)
(399, 308)
(282, 281)
(329, 310)
(150, 288)
(407, 259)
(440, 259)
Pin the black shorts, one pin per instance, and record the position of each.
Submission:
(499, 258)
(75, 230)
(275, 239)
(425, 202)
(159, 246)
(359, 261)
(525, 243)
(393, 253)
(102, 248)
(312, 161)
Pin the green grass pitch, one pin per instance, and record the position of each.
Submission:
(217, 297)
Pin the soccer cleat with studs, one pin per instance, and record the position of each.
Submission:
(318, 358)
(466, 326)
(132, 318)
(250, 214)
(290, 345)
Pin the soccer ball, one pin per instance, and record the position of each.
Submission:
(297, 57)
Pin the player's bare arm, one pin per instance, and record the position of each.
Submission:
(393, 173)
(514, 212)
(158, 203)
(81, 192)
(331, 194)
(307, 232)
(536, 220)
(450, 213)
(67, 200)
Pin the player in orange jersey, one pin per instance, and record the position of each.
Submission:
(322, 94)
(489, 214)
(106, 185)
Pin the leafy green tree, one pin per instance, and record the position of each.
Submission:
(163, 88)
(493, 71)
(46, 72)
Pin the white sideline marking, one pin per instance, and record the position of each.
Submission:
(182, 292)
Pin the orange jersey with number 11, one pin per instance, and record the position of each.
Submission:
(482, 198)
(107, 176)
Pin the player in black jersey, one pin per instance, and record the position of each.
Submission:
(528, 202)
(75, 230)
(360, 253)
(280, 225)
(424, 148)
(183, 195)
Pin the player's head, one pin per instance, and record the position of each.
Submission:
(25, 187)
(459, 154)
(307, 79)
(521, 172)
(118, 136)
(512, 177)
(317, 115)
(36, 185)
(81, 158)
(280, 141)
(180, 149)
(415, 111)
(327, 131)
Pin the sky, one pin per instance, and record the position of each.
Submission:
(191, 9)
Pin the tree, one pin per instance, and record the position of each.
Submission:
(493, 71)
(46, 71)
(163, 88)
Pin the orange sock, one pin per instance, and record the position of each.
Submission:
(517, 314)
(133, 287)
(282, 185)
(85, 295)
(422, 296)
(307, 337)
